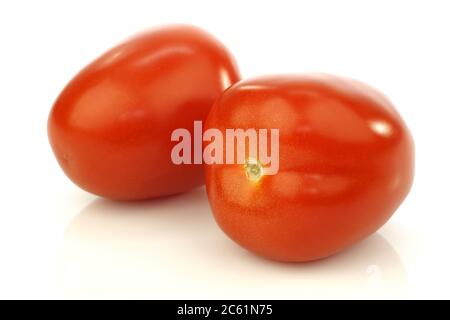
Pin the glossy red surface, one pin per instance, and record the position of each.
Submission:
(346, 163)
(110, 127)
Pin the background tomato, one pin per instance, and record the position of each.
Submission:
(110, 127)
(346, 164)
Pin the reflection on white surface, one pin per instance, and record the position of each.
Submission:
(172, 248)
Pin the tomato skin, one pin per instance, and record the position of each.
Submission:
(110, 128)
(346, 164)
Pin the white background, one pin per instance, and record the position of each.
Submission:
(57, 241)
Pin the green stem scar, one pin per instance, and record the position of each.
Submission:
(253, 169)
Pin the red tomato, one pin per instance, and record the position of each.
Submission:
(346, 162)
(110, 128)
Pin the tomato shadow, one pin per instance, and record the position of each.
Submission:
(172, 248)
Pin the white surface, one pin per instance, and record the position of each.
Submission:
(56, 241)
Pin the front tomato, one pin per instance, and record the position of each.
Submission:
(346, 162)
(110, 128)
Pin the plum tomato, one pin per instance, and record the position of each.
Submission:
(346, 162)
(110, 128)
